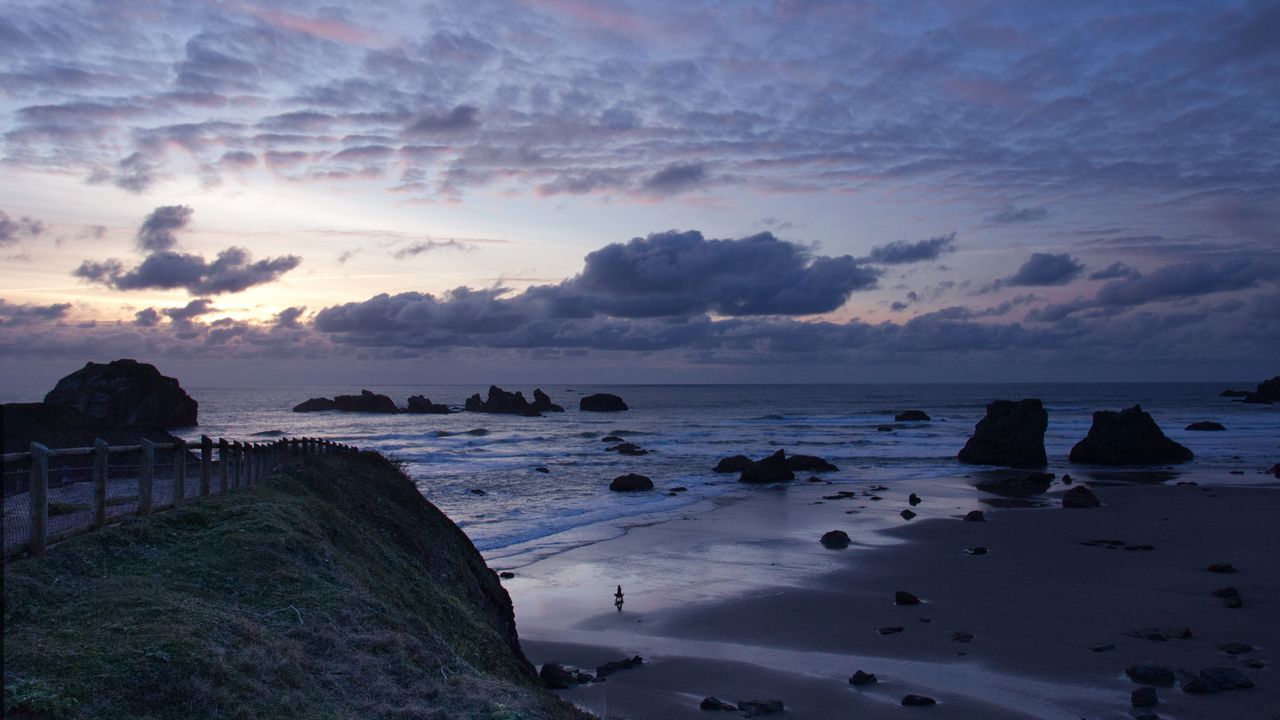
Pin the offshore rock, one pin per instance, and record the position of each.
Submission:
(1128, 437)
(316, 405)
(769, 470)
(912, 416)
(736, 463)
(366, 402)
(631, 482)
(1011, 434)
(500, 401)
(602, 402)
(421, 405)
(542, 402)
(126, 392)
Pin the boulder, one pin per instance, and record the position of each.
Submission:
(860, 678)
(542, 402)
(559, 677)
(918, 701)
(769, 470)
(126, 392)
(835, 539)
(500, 401)
(736, 463)
(627, 448)
(902, 597)
(366, 402)
(974, 516)
(624, 664)
(809, 463)
(316, 405)
(912, 416)
(1080, 497)
(1128, 437)
(1205, 426)
(714, 703)
(631, 482)
(913, 499)
(602, 402)
(907, 514)
(422, 405)
(1011, 434)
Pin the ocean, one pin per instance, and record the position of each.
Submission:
(481, 469)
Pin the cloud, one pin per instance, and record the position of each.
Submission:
(1114, 271)
(461, 117)
(136, 174)
(12, 231)
(190, 311)
(290, 318)
(1044, 269)
(903, 251)
(148, 317)
(232, 271)
(1009, 215)
(676, 178)
(13, 315)
(157, 230)
(1184, 280)
(426, 246)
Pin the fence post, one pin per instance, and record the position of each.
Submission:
(38, 496)
(251, 463)
(101, 452)
(224, 459)
(206, 464)
(146, 477)
(179, 471)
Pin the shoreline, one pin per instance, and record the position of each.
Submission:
(741, 602)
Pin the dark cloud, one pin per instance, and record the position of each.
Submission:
(298, 121)
(238, 159)
(1184, 280)
(1043, 269)
(13, 315)
(582, 183)
(232, 271)
(135, 173)
(157, 230)
(1114, 271)
(12, 231)
(190, 311)
(676, 178)
(1009, 215)
(904, 251)
(462, 117)
(290, 318)
(148, 317)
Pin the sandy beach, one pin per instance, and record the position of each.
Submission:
(742, 602)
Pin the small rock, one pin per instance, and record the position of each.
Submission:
(961, 636)
(712, 703)
(542, 469)
(627, 448)
(1080, 497)
(902, 597)
(624, 664)
(631, 482)
(1144, 697)
(1150, 674)
(506, 574)
(754, 708)
(979, 550)
(1206, 426)
(918, 701)
(912, 416)
(907, 514)
(836, 539)
(1235, 648)
(862, 678)
(913, 499)
(1222, 568)
(478, 491)
(1066, 479)
(974, 516)
(891, 630)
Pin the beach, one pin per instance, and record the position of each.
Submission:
(742, 602)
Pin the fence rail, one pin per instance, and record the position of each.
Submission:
(43, 513)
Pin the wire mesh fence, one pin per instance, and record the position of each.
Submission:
(50, 495)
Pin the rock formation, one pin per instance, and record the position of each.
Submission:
(365, 402)
(421, 405)
(316, 405)
(631, 482)
(1128, 437)
(1011, 434)
(1206, 426)
(126, 392)
(912, 416)
(735, 463)
(771, 469)
(542, 402)
(602, 402)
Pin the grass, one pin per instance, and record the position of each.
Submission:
(332, 590)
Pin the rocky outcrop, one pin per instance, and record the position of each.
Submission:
(316, 405)
(423, 406)
(912, 416)
(126, 392)
(631, 482)
(500, 401)
(1268, 392)
(602, 402)
(809, 463)
(1206, 426)
(735, 463)
(1128, 437)
(769, 470)
(1011, 434)
(542, 402)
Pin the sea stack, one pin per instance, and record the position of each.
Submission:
(1128, 437)
(126, 392)
(1011, 434)
(602, 402)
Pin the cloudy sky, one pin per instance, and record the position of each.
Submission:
(627, 191)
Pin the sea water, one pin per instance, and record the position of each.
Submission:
(482, 469)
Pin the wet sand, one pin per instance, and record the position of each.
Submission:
(743, 602)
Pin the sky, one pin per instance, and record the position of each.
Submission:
(604, 191)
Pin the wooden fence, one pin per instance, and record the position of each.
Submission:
(237, 465)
